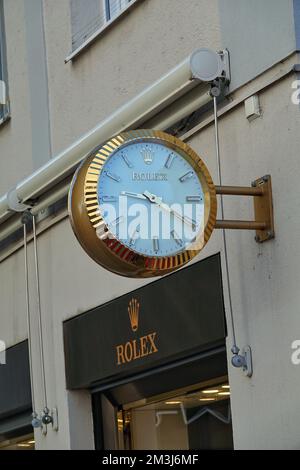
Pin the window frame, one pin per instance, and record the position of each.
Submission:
(102, 30)
(107, 8)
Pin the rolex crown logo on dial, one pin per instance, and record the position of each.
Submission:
(147, 155)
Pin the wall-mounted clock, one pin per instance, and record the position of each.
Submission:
(143, 204)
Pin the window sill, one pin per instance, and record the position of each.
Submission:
(74, 54)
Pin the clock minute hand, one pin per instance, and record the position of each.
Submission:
(158, 200)
(130, 194)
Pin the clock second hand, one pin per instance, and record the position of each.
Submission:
(158, 200)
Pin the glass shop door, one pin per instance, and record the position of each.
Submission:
(197, 417)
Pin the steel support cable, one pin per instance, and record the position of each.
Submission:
(234, 349)
(28, 317)
(40, 325)
(46, 418)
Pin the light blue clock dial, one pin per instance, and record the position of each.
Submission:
(151, 198)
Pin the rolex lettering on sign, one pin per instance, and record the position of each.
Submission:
(143, 204)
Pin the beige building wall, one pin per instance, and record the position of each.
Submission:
(153, 38)
(15, 135)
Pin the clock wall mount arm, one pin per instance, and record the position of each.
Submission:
(263, 223)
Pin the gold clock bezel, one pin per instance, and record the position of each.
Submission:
(90, 227)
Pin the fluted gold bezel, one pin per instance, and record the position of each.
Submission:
(90, 226)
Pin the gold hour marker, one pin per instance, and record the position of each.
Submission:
(155, 244)
(109, 199)
(190, 221)
(117, 221)
(134, 237)
(113, 176)
(176, 237)
(170, 160)
(194, 198)
(185, 177)
(125, 158)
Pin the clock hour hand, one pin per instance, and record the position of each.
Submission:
(130, 194)
(158, 200)
(152, 198)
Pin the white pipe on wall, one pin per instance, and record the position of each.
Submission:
(181, 109)
(15, 224)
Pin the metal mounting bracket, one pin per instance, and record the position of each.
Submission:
(263, 209)
(247, 367)
(224, 57)
(54, 414)
(14, 202)
(263, 222)
(208, 65)
(243, 360)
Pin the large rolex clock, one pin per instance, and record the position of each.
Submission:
(143, 204)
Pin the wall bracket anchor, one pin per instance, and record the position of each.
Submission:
(263, 223)
(36, 421)
(54, 414)
(47, 417)
(243, 360)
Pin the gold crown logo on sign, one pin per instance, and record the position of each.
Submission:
(147, 154)
(133, 311)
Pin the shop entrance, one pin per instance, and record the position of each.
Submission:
(152, 371)
(186, 407)
(198, 417)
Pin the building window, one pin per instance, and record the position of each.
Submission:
(114, 7)
(4, 107)
(90, 16)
